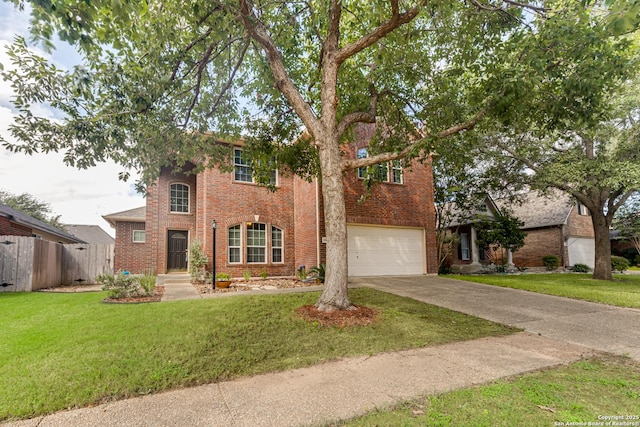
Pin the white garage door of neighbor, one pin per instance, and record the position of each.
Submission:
(582, 250)
(385, 251)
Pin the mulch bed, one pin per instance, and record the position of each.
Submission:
(254, 285)
(358, 316)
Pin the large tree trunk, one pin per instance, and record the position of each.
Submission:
(602, 268)
(335, 295)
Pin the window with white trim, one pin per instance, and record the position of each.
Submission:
(256, 243)
(396, 171)
(464, 247)
(276, 245)
(235, 245)
(243, 170)
(384, 172)
(139, 236)
(179, 198)
(249, 243)
(583, 210)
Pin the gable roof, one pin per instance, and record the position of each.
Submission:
(534, 209)
(131, 215)
(537, 210)
(35, 224)
(90, 233)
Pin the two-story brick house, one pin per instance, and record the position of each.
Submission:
(390, 232)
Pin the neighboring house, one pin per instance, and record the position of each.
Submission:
(390, 232)
(90, 233)
(16, 223)
(555, 225)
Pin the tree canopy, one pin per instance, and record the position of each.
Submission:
(160, 77)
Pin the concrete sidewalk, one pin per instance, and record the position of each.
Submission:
(561, 331)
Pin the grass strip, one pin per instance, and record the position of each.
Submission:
(62, 351)
(623, 291)
(583, 393)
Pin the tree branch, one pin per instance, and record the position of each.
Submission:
(349, 164)
(361, 116)
(283, 82)
(397, 19)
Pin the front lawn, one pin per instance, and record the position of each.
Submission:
(61, 351)
(583, 393)
(623, 291)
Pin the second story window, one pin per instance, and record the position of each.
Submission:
(384, 172)
(243, 170)
(179, 198)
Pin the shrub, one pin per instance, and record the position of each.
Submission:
(319, 272)
(619, 263)
(247, 275)
(148, 283)
(127, 286)
(581, 268)
(551, 262)
(197, 262)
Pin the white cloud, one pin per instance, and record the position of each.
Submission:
(80, 196)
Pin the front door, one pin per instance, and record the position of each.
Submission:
(177, 253)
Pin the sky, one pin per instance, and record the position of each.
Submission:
(79, 196)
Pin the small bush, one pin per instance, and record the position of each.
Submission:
(581, 268)
(148, 283)
(619, 263)
(123, 286)
(551, 262)
(197, 262)
(319, 272)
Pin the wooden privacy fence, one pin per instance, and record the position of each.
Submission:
(28, 264)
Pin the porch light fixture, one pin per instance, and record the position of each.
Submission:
(213, 257)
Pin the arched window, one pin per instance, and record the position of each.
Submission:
(179, 198)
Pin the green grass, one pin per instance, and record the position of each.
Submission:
(623, 291)
(70, 350)
(578, 393)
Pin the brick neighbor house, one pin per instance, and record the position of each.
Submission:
(16, 223)
(555, 225)
(390, 232)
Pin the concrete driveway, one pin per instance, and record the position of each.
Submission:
(599, 326)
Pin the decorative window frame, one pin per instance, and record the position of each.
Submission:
(188, 187)
(279, 247)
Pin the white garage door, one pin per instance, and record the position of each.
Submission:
(581, 251)
(385, 251)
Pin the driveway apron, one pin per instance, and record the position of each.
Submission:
(599, 326)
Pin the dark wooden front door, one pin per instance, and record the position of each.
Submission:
(177, 253)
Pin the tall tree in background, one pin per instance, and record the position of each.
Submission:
(627, 223)
(30, 205)
(159, 75)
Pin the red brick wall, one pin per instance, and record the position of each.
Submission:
(160, 220)
(8, 228)
(130, 256)
(231, 203)
(579, 225)
(410, 204)
(538, 243)
(305, 195)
